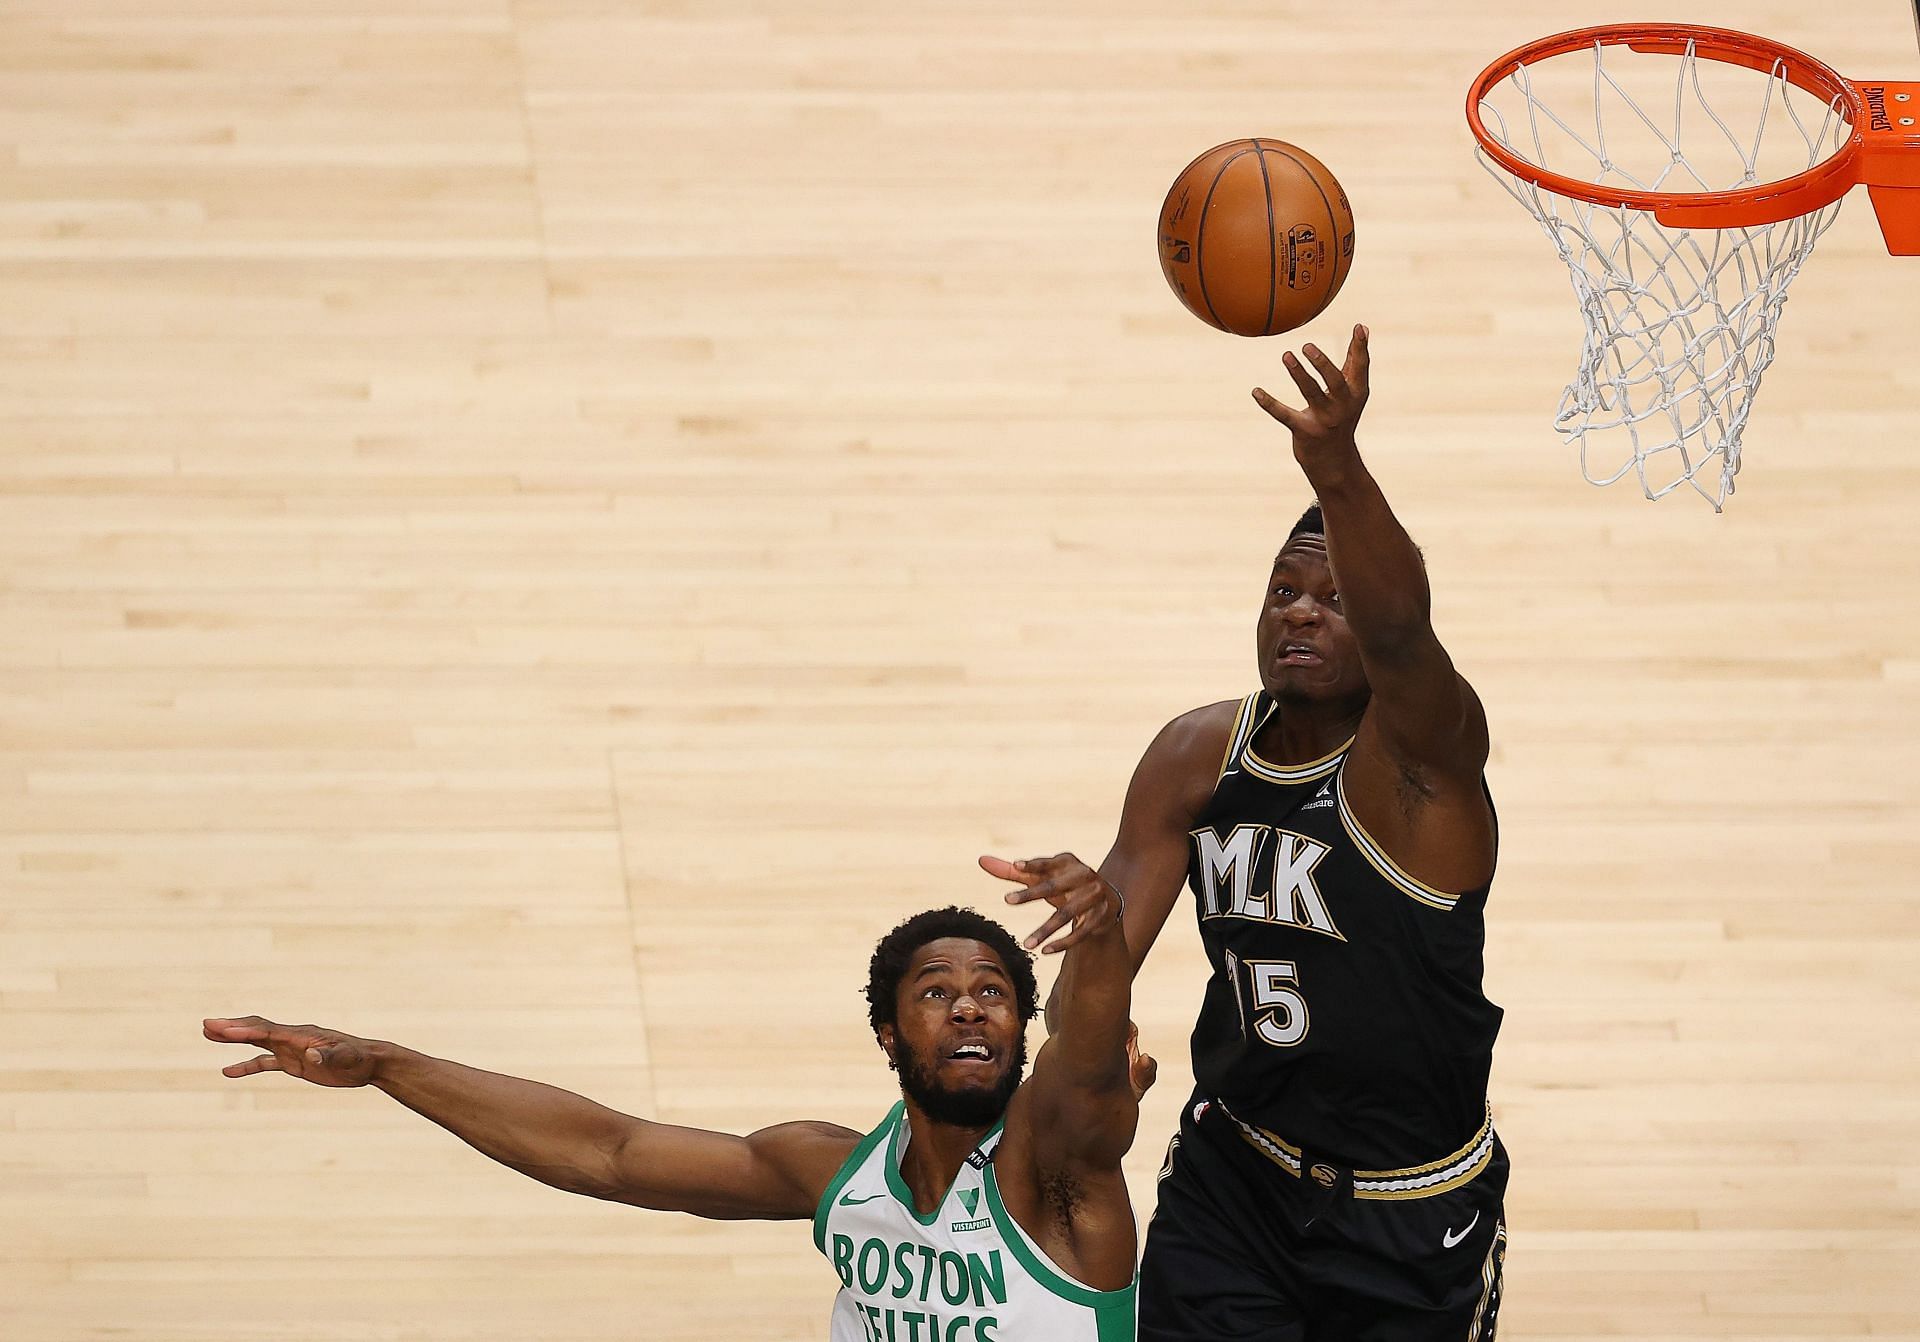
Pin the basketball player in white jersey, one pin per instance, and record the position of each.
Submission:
(983, 1208)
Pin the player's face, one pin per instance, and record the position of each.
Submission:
(958, 1041)
(1307, 652)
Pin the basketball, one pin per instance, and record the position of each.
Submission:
(1256, 237)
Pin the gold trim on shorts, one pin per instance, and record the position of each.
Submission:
(1418, 1181)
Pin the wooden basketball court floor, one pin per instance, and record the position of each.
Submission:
(539, 529)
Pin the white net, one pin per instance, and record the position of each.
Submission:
(1680, 323)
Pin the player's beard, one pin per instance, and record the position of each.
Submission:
(969, 1108)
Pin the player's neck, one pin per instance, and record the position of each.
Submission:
(1303, 730)
(935, 1152)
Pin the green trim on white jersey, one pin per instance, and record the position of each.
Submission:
(897, 1183)
(965, 1272)
(1113, 1310)
(845, 1172)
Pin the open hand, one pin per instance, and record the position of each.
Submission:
(324, 1057)
(1078, 893)
(1332, 412)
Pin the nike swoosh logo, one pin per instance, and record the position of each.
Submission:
(1448, 1240)
(849, 1200)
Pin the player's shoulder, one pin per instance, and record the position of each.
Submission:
(819, 1131)
(809, 1152)
(1196, 740)
(1177, 773)
(811, 1136)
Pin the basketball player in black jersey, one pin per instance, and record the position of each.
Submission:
(1336, 1177)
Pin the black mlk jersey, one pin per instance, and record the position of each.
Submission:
(1345, 1010)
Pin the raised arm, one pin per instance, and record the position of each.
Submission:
(1074, 1118)
(1083, 1111)
(1423, 739)
(563, 1139)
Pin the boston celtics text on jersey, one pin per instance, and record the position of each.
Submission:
(966, 1272)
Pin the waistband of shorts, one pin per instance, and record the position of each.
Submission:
(1418, 1181)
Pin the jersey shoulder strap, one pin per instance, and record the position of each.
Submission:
(848, 1168)
(1407, 884)
(1245, 723)
(1113, 1310)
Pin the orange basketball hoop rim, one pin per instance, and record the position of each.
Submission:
(1881, 150)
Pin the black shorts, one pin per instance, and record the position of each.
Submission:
(1239, 1250)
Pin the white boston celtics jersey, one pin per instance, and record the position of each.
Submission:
(965, 1273)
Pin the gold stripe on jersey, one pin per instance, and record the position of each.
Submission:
(1295, 773)
(1376, 856)
(1241, 732)
(1418, 1181)
(1240, 750)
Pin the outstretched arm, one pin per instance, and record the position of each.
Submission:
(1071, 1122)
(560, 1138)
(1413, 776)
(1082, 1109)
(1426, 712)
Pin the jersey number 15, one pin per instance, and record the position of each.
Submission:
(1278, 1013)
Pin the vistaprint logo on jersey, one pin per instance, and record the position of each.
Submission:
(970, 1199)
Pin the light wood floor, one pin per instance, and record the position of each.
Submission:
(539, 529)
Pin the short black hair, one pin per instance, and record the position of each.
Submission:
(1310, 521)
(898, 947)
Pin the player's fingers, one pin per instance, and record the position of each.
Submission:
(1328, 369)
(1082, 929)
(1066, 871)
(229, 1031)
(1309, 388)
(1002, 869)
(1359, 360)
(1085, 906)
(1062, 868)
(1044, 890)
(1058, 920)
(266, 1062)
(1280, 412)
(1076, 934)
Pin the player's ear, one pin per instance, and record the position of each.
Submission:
(886, 1038)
